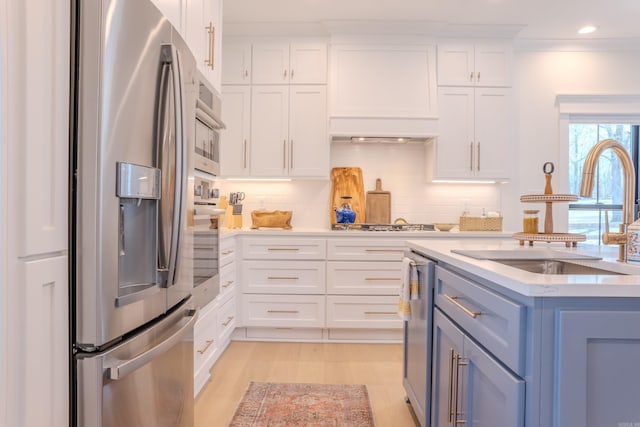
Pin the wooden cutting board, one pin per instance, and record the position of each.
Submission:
(378, 205)
(347, 182)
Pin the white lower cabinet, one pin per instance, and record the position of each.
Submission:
(205, 344)
(362, 311)
(284, 277)
(283, 310)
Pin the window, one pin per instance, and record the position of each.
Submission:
(587, 216)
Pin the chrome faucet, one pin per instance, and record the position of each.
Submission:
(586, 189)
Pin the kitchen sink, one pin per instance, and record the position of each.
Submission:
(554, 266)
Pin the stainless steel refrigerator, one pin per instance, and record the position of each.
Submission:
(132, 316)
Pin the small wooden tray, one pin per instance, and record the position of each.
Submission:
(569, 239)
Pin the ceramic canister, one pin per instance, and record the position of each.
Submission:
(633, 241)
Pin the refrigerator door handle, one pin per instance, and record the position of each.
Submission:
(124, 368)
(170, 154)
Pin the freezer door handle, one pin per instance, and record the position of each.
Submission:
(125, 367)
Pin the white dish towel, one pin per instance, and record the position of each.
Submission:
(408, 288)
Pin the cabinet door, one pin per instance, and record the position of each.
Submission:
(455, 64)
(447, 343)
(597, 380)
(492, 132)
(270, 63)
(269, 130)
(493, 64)
(308, 140)
(212, 12)
(308, 63)
(173, 10)
(235, 139)
(489, 395)
(236, 56)
(44, 365)
(194, 32)
(455, 149)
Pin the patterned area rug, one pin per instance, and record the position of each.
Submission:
(303, 405)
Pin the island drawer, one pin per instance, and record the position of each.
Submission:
(494, 321)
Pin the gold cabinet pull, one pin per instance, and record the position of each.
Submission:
(380, 312)
(471, 156)
(283, 311)
(459, 362)
(211, 32)
(227, 252)
(478, 157)
(283, 249)
(246, 73)
(207, 345)
(453, 300)
(229, 283)
(244, 155)
(284, 73)
(229, 319)
(478, 77)
(381, 278)
(450, 388)
(284, 154)
(385, 250)
(291, 152)
(471, 76)
(283, 278)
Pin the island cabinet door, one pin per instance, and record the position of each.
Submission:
(447, 344)
(469, 386)
(597, 376)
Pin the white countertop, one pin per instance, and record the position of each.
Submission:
(323, 232)
(534, 284)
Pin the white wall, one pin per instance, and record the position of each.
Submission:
(540, 77)
(402, 170)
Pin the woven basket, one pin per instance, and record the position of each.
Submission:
(476, 223)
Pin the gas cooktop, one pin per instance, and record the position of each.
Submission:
(384, 227)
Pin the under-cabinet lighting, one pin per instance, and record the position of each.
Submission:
(587, 29)
(259, 179)
(468, 181)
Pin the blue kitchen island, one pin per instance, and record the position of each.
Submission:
(512, 347)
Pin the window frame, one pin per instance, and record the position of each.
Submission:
(593, 109)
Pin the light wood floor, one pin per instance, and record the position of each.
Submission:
(379, 366)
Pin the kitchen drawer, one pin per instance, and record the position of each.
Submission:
(283, 248)
(305, 311)
(227, 251)
(364, 278)
(283, 277)
(364, 312)
(494, 321)
(205, 342)
(226, 319)
(228, 278)
(365, 249)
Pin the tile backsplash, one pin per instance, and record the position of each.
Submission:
(402, 171)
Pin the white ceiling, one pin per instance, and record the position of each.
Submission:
(533, 19)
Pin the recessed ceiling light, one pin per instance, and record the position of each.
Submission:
(586, 30)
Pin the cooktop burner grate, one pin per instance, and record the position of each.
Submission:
(384, 227)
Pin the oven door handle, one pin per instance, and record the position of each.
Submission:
(124, 368)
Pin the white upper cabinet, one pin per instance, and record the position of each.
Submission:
(295, 63)
(203, 32)
(383, 81)
(289, 131)
(475, 134)
(200, 24)
(475, 64)
(235, 139)
(236, 56)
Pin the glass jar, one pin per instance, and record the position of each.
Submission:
(345, 214)
(530, 221)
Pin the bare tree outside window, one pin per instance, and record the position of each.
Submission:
(587, 216)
